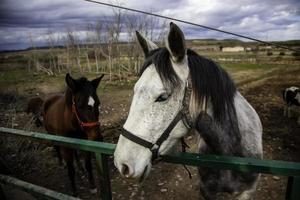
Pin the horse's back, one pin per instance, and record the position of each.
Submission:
(53, 113)
(50, 102)
(250, 128)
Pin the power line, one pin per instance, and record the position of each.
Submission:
(194, 24)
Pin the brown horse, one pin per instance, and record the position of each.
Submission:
(75, 114)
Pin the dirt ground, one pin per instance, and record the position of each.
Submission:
(36, 163)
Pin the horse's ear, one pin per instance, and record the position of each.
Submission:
(175, 43)
(147, 45)
(72, 84)
(96, 81)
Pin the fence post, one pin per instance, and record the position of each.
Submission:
(103, 173)
(293, 188)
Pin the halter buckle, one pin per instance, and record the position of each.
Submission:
(154, 151)
(188, 84)
(154, 147)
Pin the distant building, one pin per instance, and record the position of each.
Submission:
(248, 49)
(233, 49)
(263, 48)
(206, 47)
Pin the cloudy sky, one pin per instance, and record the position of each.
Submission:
(270, 20)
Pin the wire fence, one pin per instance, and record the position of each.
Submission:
(194, 24)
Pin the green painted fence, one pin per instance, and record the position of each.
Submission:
(103, 150)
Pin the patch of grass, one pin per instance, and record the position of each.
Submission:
(241, 66)
(117, 85)
(247, 66)
(12, 76)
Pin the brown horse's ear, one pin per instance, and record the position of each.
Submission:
(72, 84)
(96, 81)
(175, 43)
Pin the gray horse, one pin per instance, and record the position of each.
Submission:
(179, 90)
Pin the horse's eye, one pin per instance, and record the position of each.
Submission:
(162, 97)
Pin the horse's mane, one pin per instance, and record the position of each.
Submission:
(209, 80)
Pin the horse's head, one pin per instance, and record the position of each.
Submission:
(84, 103)
(158, 98)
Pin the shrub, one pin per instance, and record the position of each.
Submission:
(281, 53)
(296, 54)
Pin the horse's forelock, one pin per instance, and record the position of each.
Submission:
(161, 59)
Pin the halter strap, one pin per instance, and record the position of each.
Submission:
(137, 139)
(81, 123)
(153, 147)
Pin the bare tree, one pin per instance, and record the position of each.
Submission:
(34, 58)
(109, 49)
(74, 48)
(52, 42)
(67, 48)
(132, 22)
(114, 34)
(150, 27)
(88, 42)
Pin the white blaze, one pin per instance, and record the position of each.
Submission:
(91, 101)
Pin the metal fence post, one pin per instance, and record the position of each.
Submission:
(103, 173)
(293, 188)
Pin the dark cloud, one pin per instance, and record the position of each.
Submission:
(269, 19)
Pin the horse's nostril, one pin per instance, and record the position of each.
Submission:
(125, 170)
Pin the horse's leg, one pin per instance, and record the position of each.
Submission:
(289, 111)
(89, 169)
(284, 110)
(2, 195)
(210, 133)
(69, 157)
(205, 194)
(249, 194)
(78, 163)
(57, 149)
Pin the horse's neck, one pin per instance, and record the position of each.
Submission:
(56, 115)
(220, 138)
(68, 112)
(68, 98)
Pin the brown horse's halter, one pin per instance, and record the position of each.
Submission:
(81, 123)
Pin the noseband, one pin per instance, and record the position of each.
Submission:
(183, 115)
(81, 123)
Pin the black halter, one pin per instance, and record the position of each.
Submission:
(183, 115)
